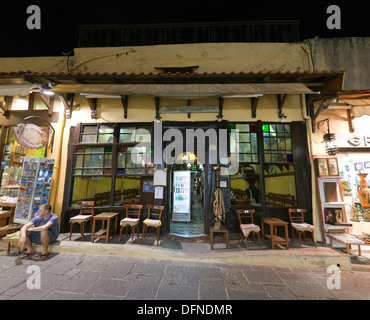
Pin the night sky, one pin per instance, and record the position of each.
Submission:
(60, 19)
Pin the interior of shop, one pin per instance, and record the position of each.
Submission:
(187, 203)
(351, 167)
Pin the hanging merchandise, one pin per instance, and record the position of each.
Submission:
(218, 208)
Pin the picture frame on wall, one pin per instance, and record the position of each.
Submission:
(333, 167)
(322, 167)
(358, 166)
(367, 165)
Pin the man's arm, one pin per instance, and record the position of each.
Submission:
(43, 228)
(24, 229)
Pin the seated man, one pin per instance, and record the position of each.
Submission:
(45, 232)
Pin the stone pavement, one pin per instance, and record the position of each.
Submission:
(72, 276)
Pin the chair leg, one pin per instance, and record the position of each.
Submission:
(120, 234)
(299, 238)
(82, 230)
(246, 241)
(70, 230)
(313, 239)
(143, 235)
(259, 240)
(132, 233)
(158, 234)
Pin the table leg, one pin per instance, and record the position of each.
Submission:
(107, 232)
(272, 239)
(115, 225)
(93, 231)
(262, 231)
(227, 239)
(286, 237)
(211, 239)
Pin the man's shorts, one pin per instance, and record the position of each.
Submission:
(35, 237)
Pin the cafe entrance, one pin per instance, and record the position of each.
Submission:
(187, 198)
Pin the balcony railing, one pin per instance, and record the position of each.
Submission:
(178, 33)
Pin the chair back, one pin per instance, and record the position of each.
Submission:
(245, 214)
(133, 210)
(296, 215)
(87, 207)
(154, 211)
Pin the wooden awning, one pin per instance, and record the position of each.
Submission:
(184, 91)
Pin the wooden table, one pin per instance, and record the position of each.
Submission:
(104, 233)
(222, 230)
(275, 239)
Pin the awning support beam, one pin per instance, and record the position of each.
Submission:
(124, 100)
(254, 103)
(93, 102)
(281, 101)
(67, 101)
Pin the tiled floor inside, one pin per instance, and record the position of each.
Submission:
(195, 227)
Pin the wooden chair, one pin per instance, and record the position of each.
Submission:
(153, 220)
(132, 219)
(86, 214)
(296, 217)
(248, 228)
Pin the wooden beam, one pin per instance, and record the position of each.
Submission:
(49, 104)
(350, 118)
(68, 103)
(124, 100)
(93, 102)
(8, 100)
(156, 101)
(281, 101)
(254, 103)
(220, 107)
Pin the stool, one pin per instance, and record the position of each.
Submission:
(222, 230)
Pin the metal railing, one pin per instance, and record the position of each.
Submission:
(180, 33)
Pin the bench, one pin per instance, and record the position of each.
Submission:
(347, 239)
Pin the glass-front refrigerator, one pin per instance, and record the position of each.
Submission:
(34, 189)
(181, 196)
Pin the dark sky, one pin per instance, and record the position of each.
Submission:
(60, 19)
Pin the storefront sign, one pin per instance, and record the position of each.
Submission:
(31, 136)
(352, 141)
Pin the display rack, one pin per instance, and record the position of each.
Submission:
(34, 187)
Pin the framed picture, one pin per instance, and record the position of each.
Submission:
(333, 167)
(333, 215)
(367, 164)
(358, 166)
(322, 167)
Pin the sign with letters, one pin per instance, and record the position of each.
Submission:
(345, 140)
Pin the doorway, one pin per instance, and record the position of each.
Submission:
(187, 199)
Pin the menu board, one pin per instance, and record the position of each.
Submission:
(34, 188)
(181, 196)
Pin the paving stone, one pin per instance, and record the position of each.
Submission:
(110, 287)
(212, 289)
(144, 287)
(177, 292)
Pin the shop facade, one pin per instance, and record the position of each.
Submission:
(348, 115)
(245, 132)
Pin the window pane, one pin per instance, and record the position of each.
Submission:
(88, 138)
(121, 160)
(79, 161)
(105, 129)
(242, 127)
(125, 138)
(89, 188)
(105, 138)
(90, 129)
(280, 186)
(244, 137)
